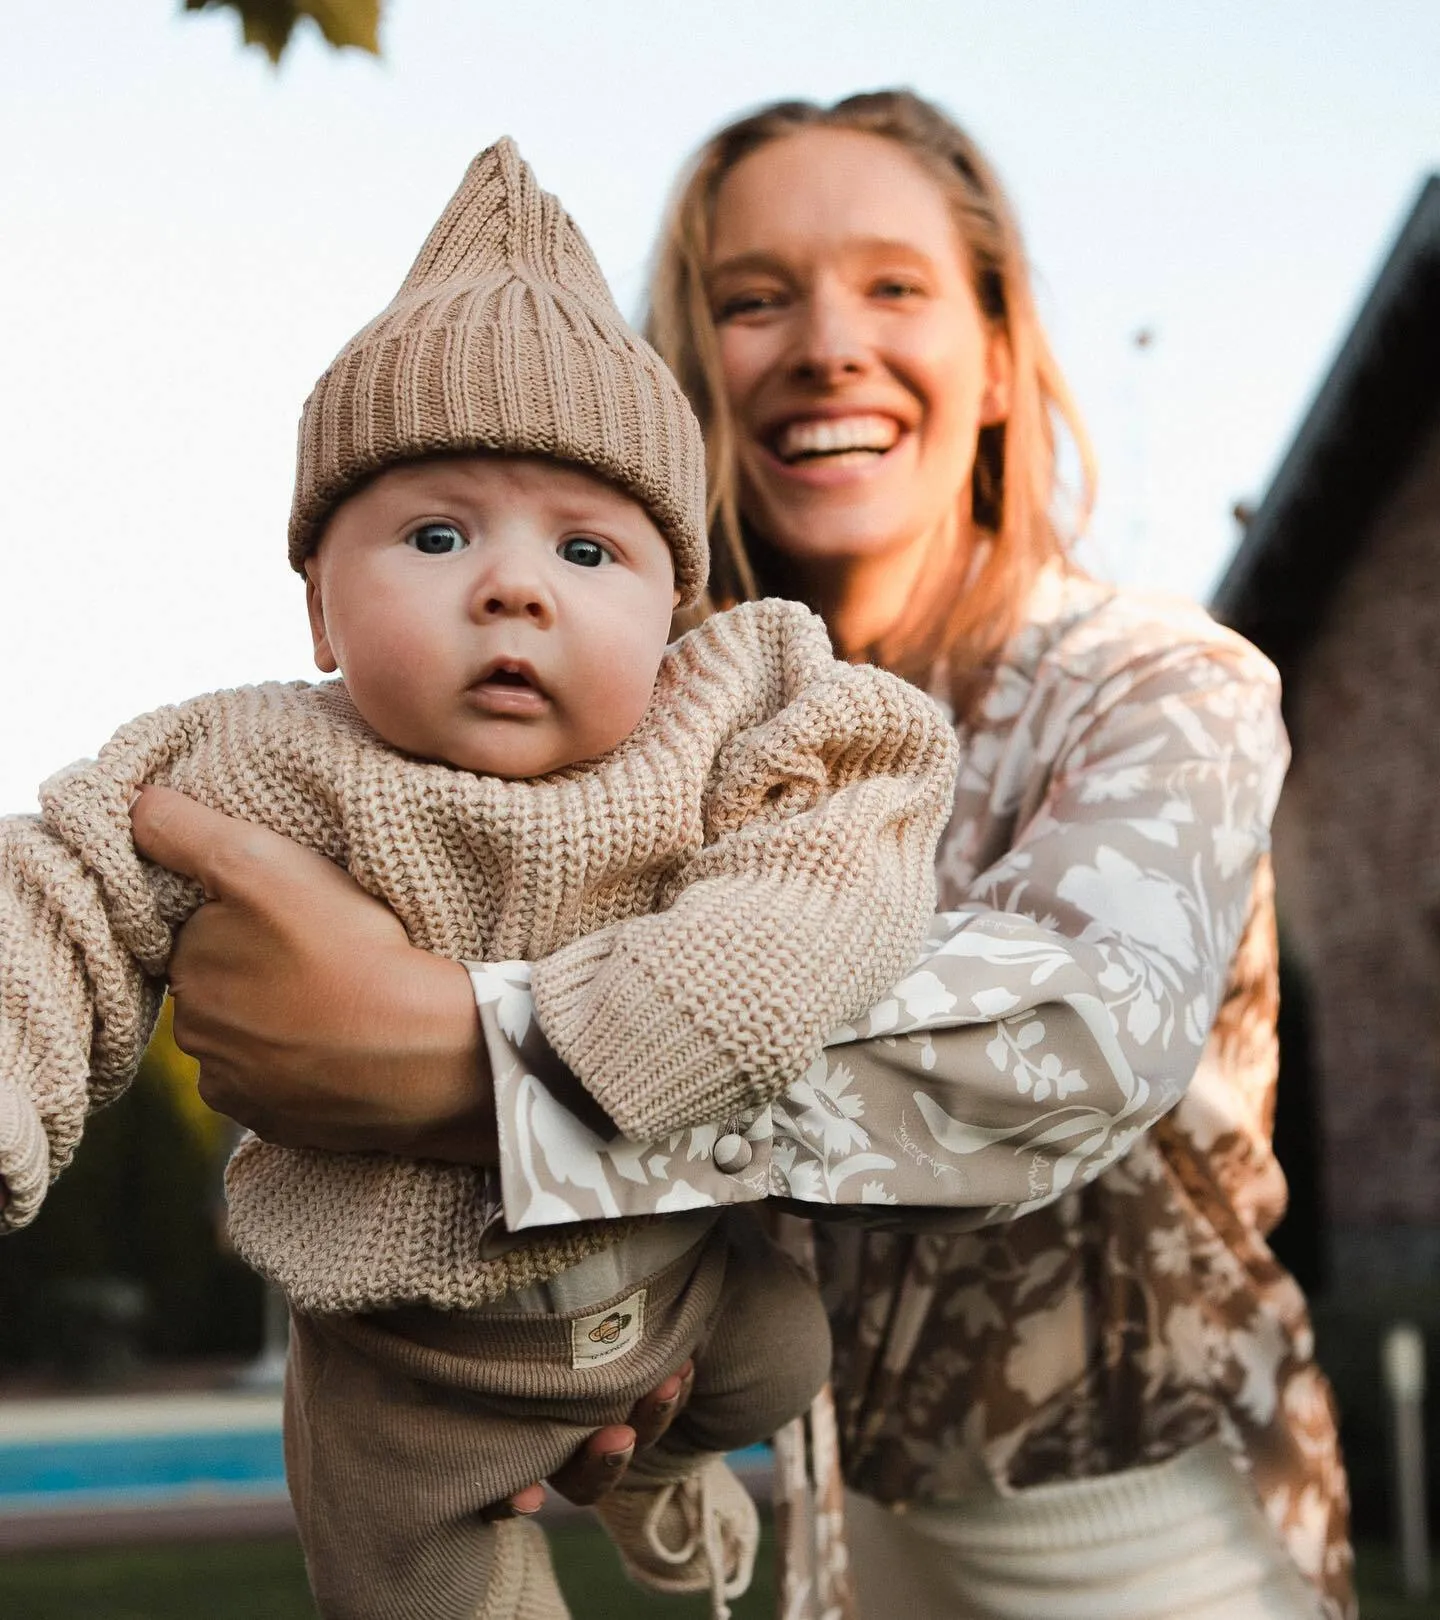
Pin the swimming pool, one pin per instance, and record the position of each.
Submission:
(98, 1453)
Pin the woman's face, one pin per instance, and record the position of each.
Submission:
(857, 364)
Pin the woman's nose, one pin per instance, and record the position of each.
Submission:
(830, 343)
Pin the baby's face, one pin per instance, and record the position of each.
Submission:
(504, 614)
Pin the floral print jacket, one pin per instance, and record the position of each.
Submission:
(1058, 1125)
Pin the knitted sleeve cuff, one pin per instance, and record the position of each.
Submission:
(631, 1044)
(24, 1158)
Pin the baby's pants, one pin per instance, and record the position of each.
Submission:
(402, 1425)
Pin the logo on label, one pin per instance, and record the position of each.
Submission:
(606, 1335)
(610, 1329)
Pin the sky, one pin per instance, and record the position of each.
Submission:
(188, 235)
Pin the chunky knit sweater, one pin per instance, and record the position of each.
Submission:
(748, 870)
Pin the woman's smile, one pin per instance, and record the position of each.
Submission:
(809, 439)
(823, 450)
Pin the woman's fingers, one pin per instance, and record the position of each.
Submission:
(598, 1467)
(214, 849)
(655, 1412)
(600, 1464)
(523, 1503)
(169, 829)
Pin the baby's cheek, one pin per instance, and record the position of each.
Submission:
(614, 714)
(395, 688)
(617, 697)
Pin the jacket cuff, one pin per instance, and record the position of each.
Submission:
(24, 1158)
(642, 1059)
(555, 1169)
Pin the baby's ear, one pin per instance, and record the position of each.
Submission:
(315, 606)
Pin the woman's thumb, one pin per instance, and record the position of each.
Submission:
(186, 837)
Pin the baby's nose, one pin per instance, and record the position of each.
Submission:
(512, 590)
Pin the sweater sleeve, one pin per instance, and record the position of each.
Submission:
(86, 928)
(810, 897)
(76, 1009)
(1057, 1012)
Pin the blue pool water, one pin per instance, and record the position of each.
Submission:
(62, 1472)
(69, 1469)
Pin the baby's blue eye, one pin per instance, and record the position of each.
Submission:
(437, 539)
(583, 553)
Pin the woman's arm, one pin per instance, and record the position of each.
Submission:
(1055, 1016)
(315, 1021)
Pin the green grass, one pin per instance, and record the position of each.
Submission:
(243, 1580)
(591, 1578)
(265, 1580)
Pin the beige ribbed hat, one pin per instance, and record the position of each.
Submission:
(504, 337)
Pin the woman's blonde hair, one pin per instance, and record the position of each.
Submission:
(961, 624)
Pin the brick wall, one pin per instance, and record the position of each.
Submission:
(1358, 863)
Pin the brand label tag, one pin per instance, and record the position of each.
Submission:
(607, 1335)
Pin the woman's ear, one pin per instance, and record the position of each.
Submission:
(315, 607)
(999, 379)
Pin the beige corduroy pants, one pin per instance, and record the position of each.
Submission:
(400, 1426)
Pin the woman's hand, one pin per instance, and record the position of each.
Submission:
(316, 1022)
(599, 1465)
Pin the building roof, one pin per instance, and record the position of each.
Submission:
(1359, 435)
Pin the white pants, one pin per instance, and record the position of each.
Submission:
(1185, 1540)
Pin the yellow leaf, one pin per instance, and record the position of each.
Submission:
(178, 1072)
(269, 23)
(347, 22)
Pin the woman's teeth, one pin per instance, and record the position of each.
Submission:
(836, 436)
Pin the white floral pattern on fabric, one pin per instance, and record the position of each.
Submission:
(573, 1164)
(1087, 1042)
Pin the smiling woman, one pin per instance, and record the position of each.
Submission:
(857, 451)
(844, 294)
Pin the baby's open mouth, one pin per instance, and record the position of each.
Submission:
(508, 672)
(818, 438)
(509, 686)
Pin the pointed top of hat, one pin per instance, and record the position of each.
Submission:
(500, 222)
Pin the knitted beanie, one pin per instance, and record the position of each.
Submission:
(504, 337)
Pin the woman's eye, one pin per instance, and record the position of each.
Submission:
(584, 553)
(437, 539)
(894, 288)
(748, 303)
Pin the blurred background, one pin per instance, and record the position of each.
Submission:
(1238, 261)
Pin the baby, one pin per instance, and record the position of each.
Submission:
(713, 853)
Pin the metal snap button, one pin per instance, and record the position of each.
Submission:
(732, 1153)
